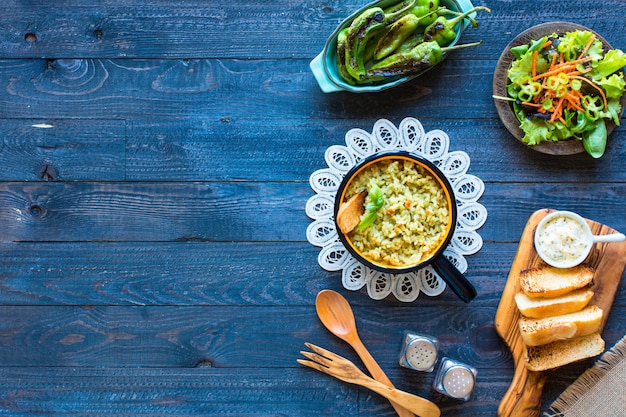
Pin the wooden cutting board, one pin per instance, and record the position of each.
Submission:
(523, 399)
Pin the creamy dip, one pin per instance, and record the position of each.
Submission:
(563, 239)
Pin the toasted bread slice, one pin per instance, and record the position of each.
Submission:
(548, 282)
(563, 352)
(536, 332)
(545, 307)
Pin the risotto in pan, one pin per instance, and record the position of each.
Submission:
(414, 218)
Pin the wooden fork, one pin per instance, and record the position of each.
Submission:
(341, 368)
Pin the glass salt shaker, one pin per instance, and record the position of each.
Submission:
(419, 352)
(455, 379)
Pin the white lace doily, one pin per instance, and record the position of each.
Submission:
(385, 136)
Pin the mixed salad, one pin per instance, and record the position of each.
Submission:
(566, 87)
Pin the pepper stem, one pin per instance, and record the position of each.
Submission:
(436, 11)
(495, 97)
(452, 22)
(462, 46)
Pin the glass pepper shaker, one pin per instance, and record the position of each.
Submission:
(455, 379)
(419, 352)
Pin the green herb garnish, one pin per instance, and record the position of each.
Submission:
(375, 195)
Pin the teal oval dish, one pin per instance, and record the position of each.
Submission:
(324, 65)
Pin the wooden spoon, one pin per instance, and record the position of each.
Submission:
(336, 315)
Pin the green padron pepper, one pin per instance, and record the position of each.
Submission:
(398, 32)
(341, 56)
(424, 55)
(403, 5)
(362, 28)
(443, 29)
(426, 10)
(371, 46)
(411, 42)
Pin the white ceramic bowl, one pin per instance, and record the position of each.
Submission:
(563, 239)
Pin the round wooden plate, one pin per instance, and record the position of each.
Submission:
(500, 79)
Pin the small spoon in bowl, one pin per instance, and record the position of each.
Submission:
(337, 316)
(350, 212)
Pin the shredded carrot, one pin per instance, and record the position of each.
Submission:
(591, 39)
(557, 110)
(574, 102)
(554, 71)
(561, 96)
(553, 63)
(558, 68)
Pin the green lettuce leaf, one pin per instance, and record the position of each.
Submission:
(613, 111)
(613, 61)
(572, 45)
(536, 131)
(613, 86)
(521, 69)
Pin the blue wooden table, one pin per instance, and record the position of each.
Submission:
(154, 170)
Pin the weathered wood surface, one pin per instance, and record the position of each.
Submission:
(154, 165)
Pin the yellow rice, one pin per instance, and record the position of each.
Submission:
(413, 221)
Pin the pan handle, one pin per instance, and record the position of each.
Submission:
(454, 278)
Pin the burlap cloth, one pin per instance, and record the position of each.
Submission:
(598, 392)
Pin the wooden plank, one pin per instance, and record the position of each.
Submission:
(224, 336)
(130, 90)
(248, 149)
(65, 149)
(153, 211)
(223, 391)
(182, 273)
(188, 273)
(192, 151)
(111, 392)
(206, 391)
(214, 90)
(46, 337)
(246, 211)
(241, 336)
(72, 29)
